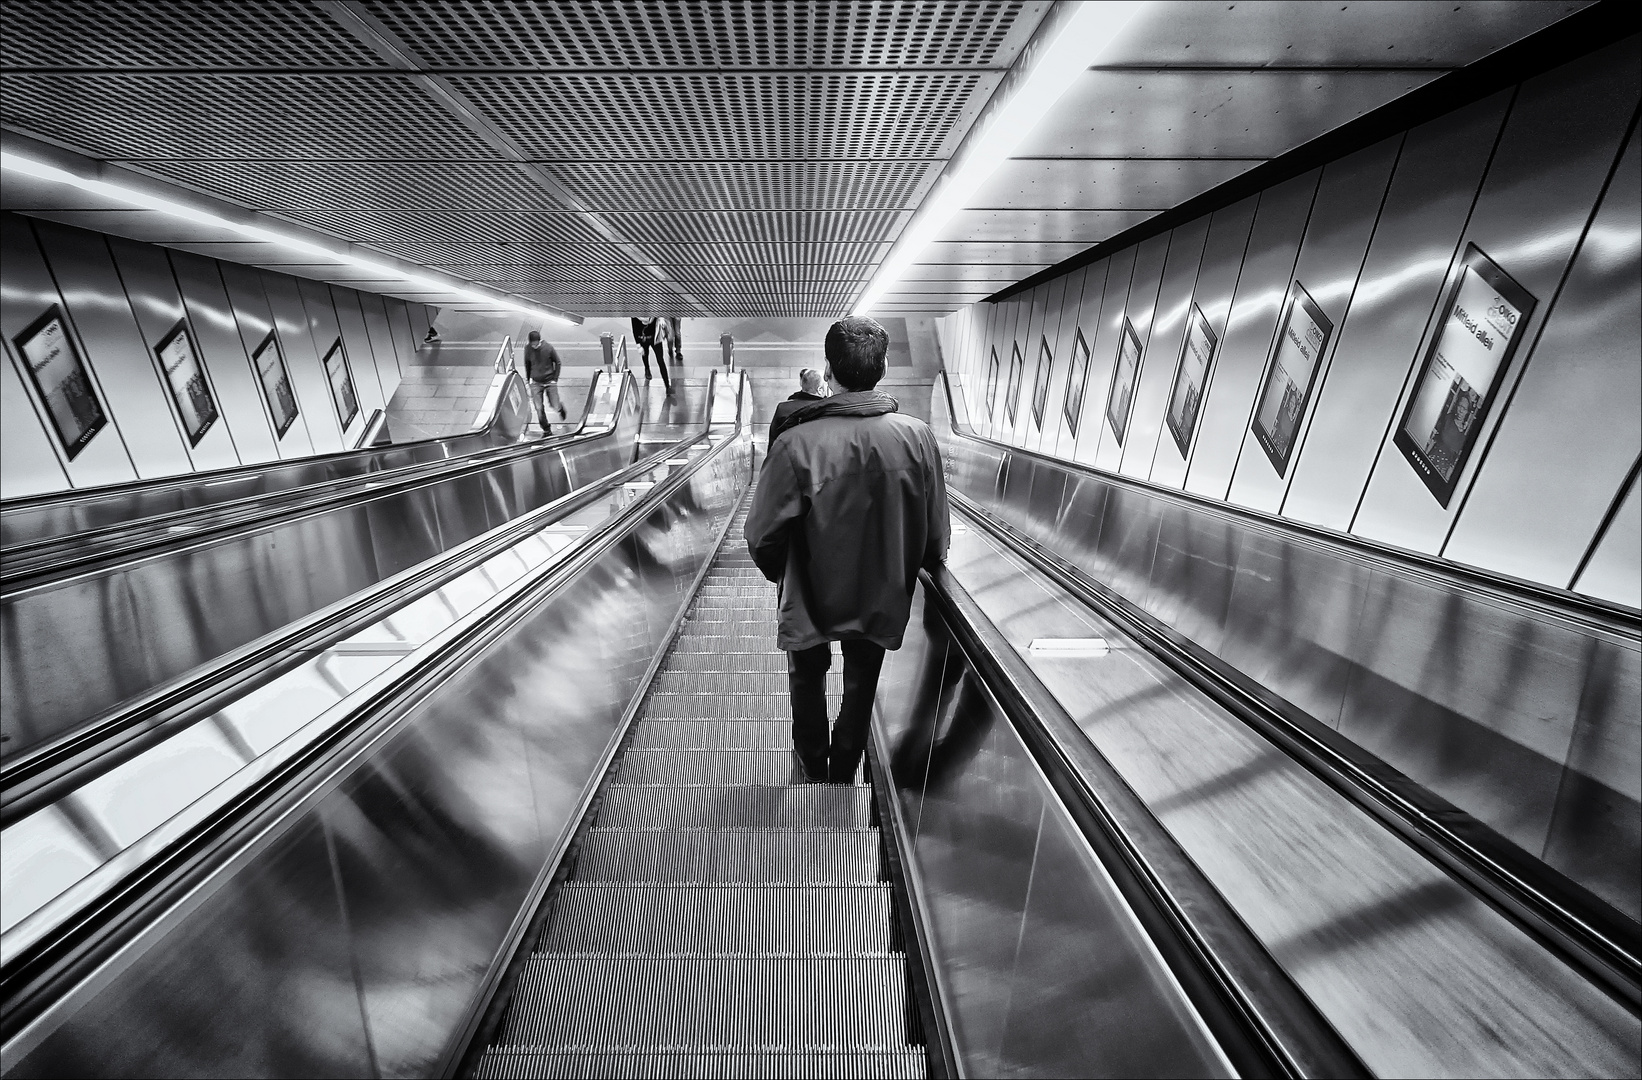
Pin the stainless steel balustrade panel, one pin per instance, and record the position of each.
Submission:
(1342, 220)
(1419, 228)
(409, 873)
(1262, 286)
(1217, 277)
(1044, 969)
(1473, 697)
(1559, 144)
(1162, 355)
(75, 648)
(1522, 516)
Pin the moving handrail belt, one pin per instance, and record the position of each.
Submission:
(43, 959)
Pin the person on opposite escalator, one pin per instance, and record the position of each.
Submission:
(646, 334)
(542, 368)
(851, 503)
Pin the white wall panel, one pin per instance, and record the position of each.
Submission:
(383, 344)
(1615, 570)
(313, 392)
(1045, 330)
(1547, 483)
(29, 466)
(1139, 308)
(357, 339)
(255, 321)
(224, 355)
(324, 330)
(1060, 344)
(1105, 324)
(1348, 202)
(1268, 266)
(1554, 154)
(1174, 300)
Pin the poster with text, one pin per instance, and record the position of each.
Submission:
(1190, 379)
(1012, 392)
(62, 381)
(1124, 374)
(185, 379)
(1302, 337)
(341, 379)
(1479, 331)
(992, 386)
(1075, 379)
(276, 383)
(1040, 384)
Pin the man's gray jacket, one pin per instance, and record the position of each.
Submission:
(848, 508)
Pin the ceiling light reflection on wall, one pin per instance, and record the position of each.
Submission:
(144, 201)
(1087, 32)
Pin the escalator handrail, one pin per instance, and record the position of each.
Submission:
(62, 958)
(1263, 1022)
(1544, 601)
(1580, 927)
(44, 562)
(41, 775)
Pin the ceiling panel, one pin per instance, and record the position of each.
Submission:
(482, 227)
(949, 251)
(362, 185)
(736, 185)
(1136, 184)
(1043, 226)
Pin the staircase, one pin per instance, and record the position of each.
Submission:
(722, 918)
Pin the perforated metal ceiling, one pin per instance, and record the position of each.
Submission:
(733, 158)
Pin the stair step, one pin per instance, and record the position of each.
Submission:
(725, 856)
(729, 643)
(680, 1001)
(727, 662)
(781, 806)
(736, 682)
(656, 734)
(836, 920)
(665, 706)
(707, 1063)
(712, 768)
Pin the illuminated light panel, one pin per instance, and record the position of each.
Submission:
(1070, 646)
(1087, 33)
(144, 201)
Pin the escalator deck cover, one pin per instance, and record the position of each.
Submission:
(721, 919)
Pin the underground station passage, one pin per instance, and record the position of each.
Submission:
(931, 538)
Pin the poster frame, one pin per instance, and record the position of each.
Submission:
(339, 350)
(272, 341)
(1127, 335)
(21, 342)
(992, 385)
(1012, 389)
(1478, 262)
(1040, 381)
(1076, 380)
(1297, 295)
(1194, 320)
(181, 330)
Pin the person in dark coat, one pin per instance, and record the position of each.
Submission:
(646, 333)
(851, 503)
(810, 388)
(542, 367)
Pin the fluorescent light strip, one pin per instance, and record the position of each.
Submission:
(1087, 33)
(145, 201)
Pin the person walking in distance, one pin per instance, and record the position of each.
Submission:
(645, 332)
(810, 388)
(675, 342)
(851, 503)
(542, 368)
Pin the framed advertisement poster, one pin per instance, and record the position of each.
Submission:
(1072, 406)
(1191, 376)
(1124, 373)
(1481, 325)
(62, 381)
(992, 386)
(1040, 382)
(1302, 335)
(185, 379)
(1012, 392)
(269, 363)
(341, 380)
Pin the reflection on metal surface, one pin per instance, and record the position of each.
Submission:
(1069, 647)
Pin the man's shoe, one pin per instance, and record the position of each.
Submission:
(802, 775)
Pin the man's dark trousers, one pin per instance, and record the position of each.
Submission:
(807, 684)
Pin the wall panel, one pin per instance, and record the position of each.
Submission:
(404, 336)
(1274, 242)
(90, 286)
(255, 321)
(1139, 308)
(324, 330)
(357, 339)
(1425, 210)
(157, 307)
(1614, 572)
(28, 294)
(217, 334)
(1085, 318)
(1105, 322)
(390, 365)
(1060, 344)
(1217, 278)
(1174, 300)
(1349, 197)
(1554, 155)
(313, 392)
(29, 466)
(1048, 329)
(1540, 497)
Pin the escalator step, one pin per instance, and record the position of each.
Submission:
(728, 643)
(679, 1001)
(707, 1063)
(712, 735)
(840, 920)
(718, 707)
(726, 856)
(761, 661)
(780, 806)
(712, 768)
(738, 682)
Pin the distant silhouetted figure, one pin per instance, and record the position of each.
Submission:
(675, 341)
(432, 334)
(542, 369)
(851, 503)
(645, 332)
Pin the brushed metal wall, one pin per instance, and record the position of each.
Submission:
(217, 331)
(1162, 353)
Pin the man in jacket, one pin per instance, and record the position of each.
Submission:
(851, 503)
(646, 334)
(542, 368)
(810, 388)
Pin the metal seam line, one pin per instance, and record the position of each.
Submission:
(351, 16)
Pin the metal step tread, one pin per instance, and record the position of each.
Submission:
(693, 734)
(708, 766)
(664, 706)
(730, 856)
(706, 1063)
(771, 806)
